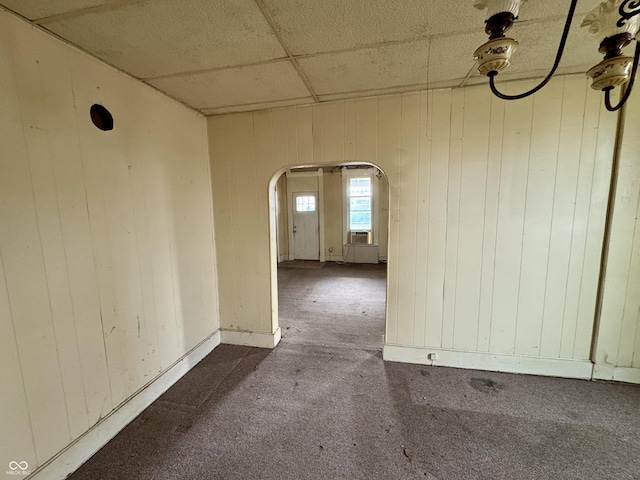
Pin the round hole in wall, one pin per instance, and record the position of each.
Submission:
(101, 117)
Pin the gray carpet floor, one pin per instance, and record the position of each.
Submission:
(323, 405)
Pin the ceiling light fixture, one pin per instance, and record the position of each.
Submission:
(616, 22)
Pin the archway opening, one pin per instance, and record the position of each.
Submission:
(329, 240)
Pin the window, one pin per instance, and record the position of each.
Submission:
(360, 203)
(306, 204)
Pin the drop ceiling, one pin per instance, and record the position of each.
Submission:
(220, 56)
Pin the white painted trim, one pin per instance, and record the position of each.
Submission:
(553, 367)
(283, 257)
(251, 339)
(375, 202)
(345, 209)
(372, 173)
(83, 448)
(321, 213)
(311, 173)
(616, 374)
(290, 218)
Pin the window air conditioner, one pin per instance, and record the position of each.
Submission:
(359, 238)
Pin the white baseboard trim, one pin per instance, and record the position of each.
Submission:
(83, 448)
(283, 257)
(251, 339)
(616, 374)
(554, 367)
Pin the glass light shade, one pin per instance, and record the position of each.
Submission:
(494, 7)
(605, 20)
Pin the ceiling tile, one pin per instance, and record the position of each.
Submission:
(236, 86)
(312, 27)
(371, 93)
(258, 106)
(34, 9)
(163, 37)
(368, 69)
(451, 58)
(330, 25)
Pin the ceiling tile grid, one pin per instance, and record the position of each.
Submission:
(234, 55)
(236, 86)
(163, 37)
(37, 9)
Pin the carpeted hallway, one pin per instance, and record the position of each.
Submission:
(323, 405)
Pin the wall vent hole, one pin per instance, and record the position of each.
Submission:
(101, 117)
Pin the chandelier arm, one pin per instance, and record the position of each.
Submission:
(628, 87)
(563, 41)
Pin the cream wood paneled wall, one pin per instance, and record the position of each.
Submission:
(618, 343)
(497, 210)
(333, 197)
(107, 264)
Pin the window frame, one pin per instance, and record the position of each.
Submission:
(347, 174)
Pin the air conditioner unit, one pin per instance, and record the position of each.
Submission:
(359, 238)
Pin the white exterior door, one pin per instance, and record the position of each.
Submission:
(305, 226)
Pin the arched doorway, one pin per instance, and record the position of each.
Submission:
(329, 240)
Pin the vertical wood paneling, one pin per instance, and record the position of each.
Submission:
(333, 132)
(496, 211)
(437, 236)
(247, 187)
(148, 338)
(292, 136)
(43, 103)
(124, 266)
(511, 213)
(154, 185)
(452, 217)
(407, 213)
(279, 142)
(619, 333)
(350, 131)
(367, 130)
(304, 135)
(13, 401)
(226, 223)
(389, 141)
(383, 218)
(580, 222)
(595, 199)
(492, 198)
(264, 169)
(316, 128)
(473, 184)
(104, 237)
(540, 191)
(24, 267)
(563, 214)
(425, 132)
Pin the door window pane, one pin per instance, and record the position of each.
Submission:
(306, 203)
